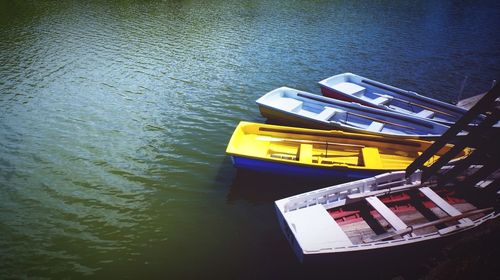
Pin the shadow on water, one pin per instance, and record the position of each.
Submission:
(257, 187)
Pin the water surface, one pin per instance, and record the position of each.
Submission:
(114, 117)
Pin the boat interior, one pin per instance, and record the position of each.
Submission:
(304, 105)
(379, 96)
(396, 99)
(374, 153)
(375, 216)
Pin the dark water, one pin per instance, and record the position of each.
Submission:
(114, 117)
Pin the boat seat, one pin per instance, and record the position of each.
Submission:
(287, 104)
(349, 88)
(425, 114)
(381, 100)
(386, 213)
(442, 204)
(327, 113)
(315, 229)
(307, 113)
(305, 153)
(375, 126)
(371, 157)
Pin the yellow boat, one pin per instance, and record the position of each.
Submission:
(321, 154)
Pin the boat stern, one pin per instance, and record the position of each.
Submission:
(343, 86)
(287, 232)
(311, 230)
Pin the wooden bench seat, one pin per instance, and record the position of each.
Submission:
(440, 202)
(443, 205)
(386, 213)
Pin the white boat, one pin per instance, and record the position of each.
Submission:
(351, 87)
(290, 106)
(374, 215)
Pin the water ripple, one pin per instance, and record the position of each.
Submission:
(114, 117)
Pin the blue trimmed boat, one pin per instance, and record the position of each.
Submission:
(293, 107)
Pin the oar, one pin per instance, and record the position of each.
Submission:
(359, 115)
(273, 139)
(424, 225)
(294, 157)
(274, 152)
(383, 112)
(380, 121)
(402, 92)
(419, 105)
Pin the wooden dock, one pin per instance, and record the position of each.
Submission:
(482, 138)
(468, 103)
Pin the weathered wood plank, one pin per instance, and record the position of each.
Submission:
(440, 202)
(388, 215)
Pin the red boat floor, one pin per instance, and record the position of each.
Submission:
(360, 221)
(398, 203)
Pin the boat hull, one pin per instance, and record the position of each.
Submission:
(301, 171)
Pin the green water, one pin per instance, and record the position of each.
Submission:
(114, 118)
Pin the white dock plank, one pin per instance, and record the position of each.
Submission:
(388, 215)
(440, 202)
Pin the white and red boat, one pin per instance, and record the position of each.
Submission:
(383, 212)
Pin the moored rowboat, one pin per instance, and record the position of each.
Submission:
(290, 106)
(321, 154)
(351, 87)
(385, 212)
